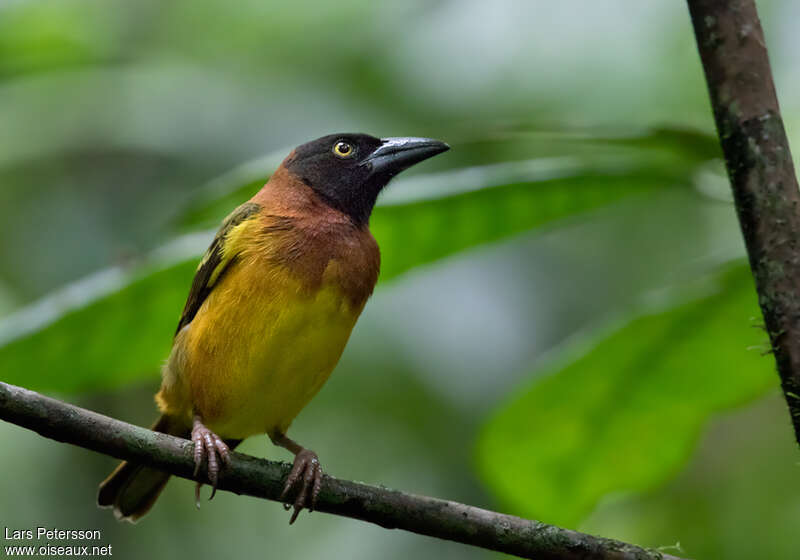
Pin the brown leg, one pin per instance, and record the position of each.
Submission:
(208, 445)
(306, 470)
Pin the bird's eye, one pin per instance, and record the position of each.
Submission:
(343, 149)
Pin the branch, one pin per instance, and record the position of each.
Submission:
(734, 56)
(264, 479)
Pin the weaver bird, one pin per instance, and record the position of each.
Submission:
(270, 310)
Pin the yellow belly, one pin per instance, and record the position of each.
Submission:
(258, 350)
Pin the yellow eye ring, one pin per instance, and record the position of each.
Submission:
(343, 149)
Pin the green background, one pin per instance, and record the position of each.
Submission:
(565, 328)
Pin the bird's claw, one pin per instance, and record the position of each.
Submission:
(208, 446)
(308, 472)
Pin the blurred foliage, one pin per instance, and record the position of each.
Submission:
(628, 411)
(583, 199)
(702, 508)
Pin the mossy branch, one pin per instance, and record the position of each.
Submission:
(264, 479)
(734, 55)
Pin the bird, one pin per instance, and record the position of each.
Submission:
(269, 312)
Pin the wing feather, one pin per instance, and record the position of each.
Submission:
(214, 263)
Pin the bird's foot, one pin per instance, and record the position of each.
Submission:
(308, 473)
(208, 446)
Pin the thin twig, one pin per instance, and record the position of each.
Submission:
(264, 479)
(734, 56)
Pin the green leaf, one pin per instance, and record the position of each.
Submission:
(422, 232)
(100, 334)
(624, 416)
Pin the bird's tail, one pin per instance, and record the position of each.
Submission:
(132, 489)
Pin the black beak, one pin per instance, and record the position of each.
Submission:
(397, 154)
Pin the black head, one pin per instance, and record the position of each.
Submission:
(349, 170)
